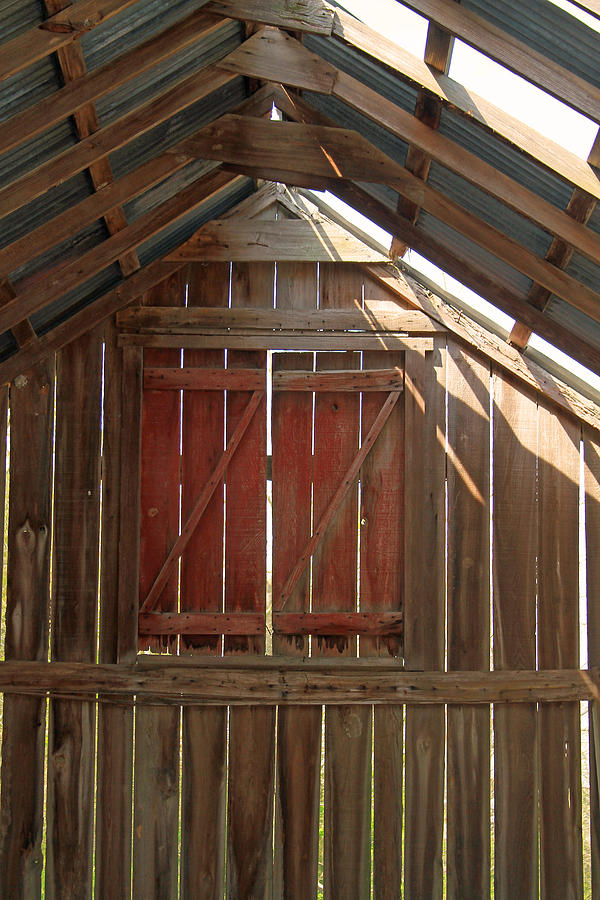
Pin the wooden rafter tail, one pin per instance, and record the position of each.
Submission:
(201, 503)
(328, 515)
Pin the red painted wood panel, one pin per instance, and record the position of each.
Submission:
(160, 469)
(252, 729)
(382, 588)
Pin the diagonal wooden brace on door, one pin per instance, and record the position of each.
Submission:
(201, 504)
(327, 517)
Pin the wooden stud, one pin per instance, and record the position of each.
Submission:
(468, 479)
(72, 732)
(592, 535)
(252, 730)
(204, 745)
(28, 599)
(425, 394)
(115, 721)
(558, 646)
(514, 574)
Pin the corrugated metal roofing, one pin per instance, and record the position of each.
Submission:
(538, 23)
(547, 29)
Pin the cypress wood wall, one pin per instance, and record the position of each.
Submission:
(465, 526)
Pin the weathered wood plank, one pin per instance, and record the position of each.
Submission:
(156, 774)
(73, 95)
(263, 54)
(202, 623)
(59, 30)
(347, 729)
(71, 744)
(375, 316)
(194, 377)
(311, 16)
(110, 138)
(115, 723)
(592, 536)
(130, 504)
(34, 293)
(558, 646)
(248, 680)
(299, 730)
(514, 577)
(370, 624)
(291, 240)
(252, 730)
(468, 803)
(204, 773)
(242, 339)
(382, 588)
(516, 55)
(414, 70)
(424, 619)
(28, 598)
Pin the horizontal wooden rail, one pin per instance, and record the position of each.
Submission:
(239, 339)
(374, 316)
(201, 623)
(273, 680)
(199, 379)
(323, 623)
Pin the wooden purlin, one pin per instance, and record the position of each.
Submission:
(514, 54)
(252, 730)
(74, 95)
(60, 30)
(72, 727)
(558, 645)
(312, 16)
(28, 590)
(414, 70)
(428, 109)
(468, 755)
(514, 553)
(580, 207)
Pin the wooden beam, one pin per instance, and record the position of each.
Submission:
(344, 623)
(277, 340)
(73, 67)
(442, 254)
(465, 102)
(457, 159)
(513, 54)
(428, 109)
(294, 240)
(74, 219)
(278, 680)
(269, 51)
(488, 345)
(375, 316)
(56, 32)
(322, 151)
(312, 16)
(202, 623)
(76, 94)
(110, 138)
(69, 276)
(23, 332)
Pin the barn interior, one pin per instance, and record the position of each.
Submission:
(300, 550)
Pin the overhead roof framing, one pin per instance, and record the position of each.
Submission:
(507, 212)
